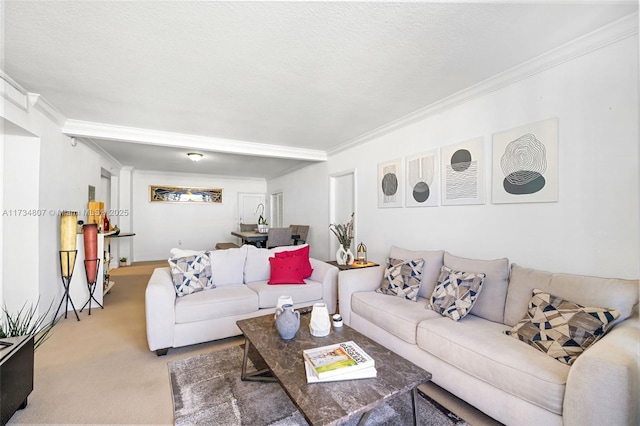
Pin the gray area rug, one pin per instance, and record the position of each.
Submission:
(207, 390)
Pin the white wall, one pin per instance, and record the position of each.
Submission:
(306, 202)
(593, 227)
(162, 226)
(42, 172)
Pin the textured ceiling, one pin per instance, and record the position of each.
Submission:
(311, 75)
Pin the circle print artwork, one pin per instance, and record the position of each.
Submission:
(421, 192)
(460, 160)
(389, 184)
(523, 163)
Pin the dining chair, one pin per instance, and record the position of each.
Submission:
(302, 231)
(279, 237)
(248, 227)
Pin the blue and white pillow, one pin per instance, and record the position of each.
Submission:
(456, 293)
(402, 278)
(191, 273)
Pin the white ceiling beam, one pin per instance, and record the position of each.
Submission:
(85, 129)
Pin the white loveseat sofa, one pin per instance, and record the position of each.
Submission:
(241, 276)
(502, 376)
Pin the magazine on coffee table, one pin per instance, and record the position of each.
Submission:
(338, 359)
(365, 373)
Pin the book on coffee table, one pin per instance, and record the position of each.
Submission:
(365, 373)
(338, 359)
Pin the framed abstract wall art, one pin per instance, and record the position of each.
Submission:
(184, 194)
(462, 171)
(422, 183)
(525, 163)
(390, 184)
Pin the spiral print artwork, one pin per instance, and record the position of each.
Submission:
(523, 163)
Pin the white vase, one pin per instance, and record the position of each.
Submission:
(341, 256)
(283, 300)
(349, 258)
(320, 323)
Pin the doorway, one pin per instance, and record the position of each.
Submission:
(342, 202)
(248, 207)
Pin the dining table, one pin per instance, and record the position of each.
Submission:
(258, 239)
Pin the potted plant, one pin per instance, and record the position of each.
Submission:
(26, 322)
(263, 226)
(123, 261)
(344, 234)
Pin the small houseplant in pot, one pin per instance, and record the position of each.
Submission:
(263, 226)
(123, 261)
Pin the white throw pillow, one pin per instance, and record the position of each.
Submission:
(227, 266)
(177, 253)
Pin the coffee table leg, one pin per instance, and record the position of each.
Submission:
(414, 403)
(257, 376)
(363, 419)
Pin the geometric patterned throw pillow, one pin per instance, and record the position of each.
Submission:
(191, 274)
(402, 278)
(562, 329)
(456, 293)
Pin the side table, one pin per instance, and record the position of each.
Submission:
(355, 265)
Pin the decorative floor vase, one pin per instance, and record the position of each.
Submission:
(287, 321)
(68, 228)
(90, 233)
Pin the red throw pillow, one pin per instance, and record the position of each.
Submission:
(286, 270)
(303, 254)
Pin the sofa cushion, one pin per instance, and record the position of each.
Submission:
(396, 315)
(300, 293)
(286, 270)
(227, 266)
(560, 328)
(479, 348)
(615, 293)
(257, 267)
(456, 293)
(430, 269)
(191, 274)
(490, 304)
(303, 255)
(177, 253)
(401, 278)
(229, 300)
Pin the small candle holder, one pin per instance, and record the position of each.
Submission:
(362, 254)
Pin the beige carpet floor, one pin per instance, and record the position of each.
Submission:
(99, 370)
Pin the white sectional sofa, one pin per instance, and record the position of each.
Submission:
(241, 276)
(502, 376)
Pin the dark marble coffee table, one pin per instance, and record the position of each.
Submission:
(329, 403)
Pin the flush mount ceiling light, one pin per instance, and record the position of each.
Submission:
(195, 156)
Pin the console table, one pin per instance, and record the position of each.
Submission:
(16, 375)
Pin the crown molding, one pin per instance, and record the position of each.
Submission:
(202, 175)
(46, 108)
(13, 92)
(98, 149)
(618, 30)
(87, 129)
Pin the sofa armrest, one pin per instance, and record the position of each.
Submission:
(327, 275)
(160, 301)
(602, 387)
(354, 280)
